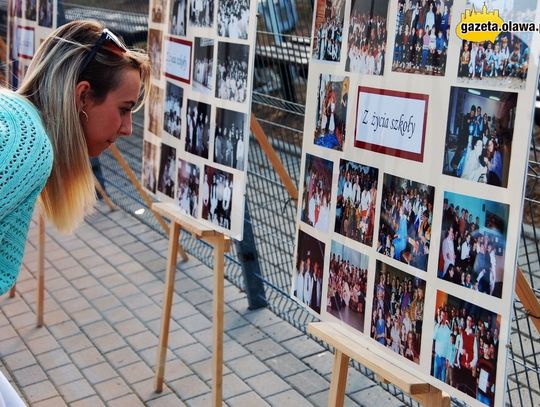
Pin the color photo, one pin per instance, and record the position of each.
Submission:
(317, 192)
(328, 30)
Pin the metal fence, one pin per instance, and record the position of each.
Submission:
(278, 103)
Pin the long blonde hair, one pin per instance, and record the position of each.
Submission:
(50, 84)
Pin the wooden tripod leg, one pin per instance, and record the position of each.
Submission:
(528, 298)
(167, 305)
(12, 291)
(336, 398)
(219, 275)
(41, 270)
(104, 195)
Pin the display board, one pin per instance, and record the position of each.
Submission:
(412, 178)
(197, 118)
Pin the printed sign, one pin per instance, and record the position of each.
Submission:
(178, 59)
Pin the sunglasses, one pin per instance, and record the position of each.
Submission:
(106, 36)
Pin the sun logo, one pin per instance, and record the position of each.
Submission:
(478, 26)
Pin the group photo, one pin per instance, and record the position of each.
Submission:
(155, 110)
(422, 35)
(328, 30)
(217, 196)
(479, 134)
(174, 98)
(232, 71)
(233, 19)
(308, 273)
(178, 17)
(331, 117)
(347, 285)
(367, 37)
(473, 245)
(203, 64)
(167, 170)
(405, 223)
(149, 166)
(466, 347)
(356, 200)
(398, 311)
(201, 13)
(317, 192)
(229, 138)
(198, 119)
(188, 187)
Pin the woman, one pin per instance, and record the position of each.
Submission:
(493, 161)
(75, 101)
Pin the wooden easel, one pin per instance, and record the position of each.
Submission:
(221, 244)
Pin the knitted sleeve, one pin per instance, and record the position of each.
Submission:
(25, 164)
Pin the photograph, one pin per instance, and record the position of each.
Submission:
(406, 218)
(188, 187)
(172, 120)
(203, 63)
(232, 72)
(45, 13)
(198, 128)
(308, 273)
(155, 110)
(317, 192)
(473, 245)
(167, 170)
(479, 134)
(149, 166)
(505, 61)
(201, 13)
(465, 347)
(30, 10)
(229, 138)
(217, 195)
(178, 17)
(422, 36)
(328, 30)
(233, 19)
(398, 311)
(331, 111)
(158, 9)
(154, 51)
(367, 37)
(356, 200)
(347, 284)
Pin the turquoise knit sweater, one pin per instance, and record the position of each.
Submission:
(26, 158)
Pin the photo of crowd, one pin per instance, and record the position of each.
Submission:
(367, 37)
(474, 243)
(479, 135)
(317, 192)
(398, 311)
(217, 195)
(347, 285)
(155, 110)
(154, 52)
(158, 8)
(201, 13)
(229, 138)
(167, 170)
(203, 61)
(198, 128)
(307, 279)
(466, 347)
(328, 30)
(405, 224)
(356, 200)
(331, 111)
(178, 16)
(174, 98)
(149, 170)
(233, 19)
(45, 13)
(188, 187)
(232, 72)
(422, 35)
(505, 61)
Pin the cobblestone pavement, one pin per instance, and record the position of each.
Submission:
(104, 289)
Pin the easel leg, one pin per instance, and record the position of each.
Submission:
(104, 195)
(217, 369)
(167, 305)
(336, 398)
(41, 270)
(12, 291)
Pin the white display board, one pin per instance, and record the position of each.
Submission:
(197, 119)
(413, 169)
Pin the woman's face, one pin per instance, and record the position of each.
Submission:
(110, 119)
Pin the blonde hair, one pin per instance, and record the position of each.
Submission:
(50, 84)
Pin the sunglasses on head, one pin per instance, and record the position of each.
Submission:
(107, 36)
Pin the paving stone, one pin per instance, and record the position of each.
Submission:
(376, 395)
(321, 400)
(130, 400)
(122, 357)
(43, 344)
(65, 374)
(76, 390)
(247, 366)
(19, 360)
(39, 392)
(189, 387)
(99, 373)
(53, 402)
(168, 400)
(302, 346)
(92, 401)
(136, 372)
(195, 323)
(204, 369)
(233, 386)
(55, 358)
(286, 365)
(87, 357)
(97, 329)
(266, 348)
(246, 334)
(75, 343)
(267, 384)
(250, 399)
(63, 329)
(146, 390)
(109, 342)
(193, 353)
(308, 382)
(142, 340)
(112, 389)
(321, 363)
(11, 346)
(288, 398)
(281, 331)
(29, 375)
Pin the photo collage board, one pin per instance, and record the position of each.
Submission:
(412, 178)
(197, 118)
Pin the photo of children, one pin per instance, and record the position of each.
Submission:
(479, 135)
(331, 111)
(188, 187)
(317, 192)
(198, 128)
(422, 35)
(465, 347)
(174, 98)
(398, 311)
(167, 170)
(154, 52)
(505, 61)
(307, 279)
(155, 110)
(217, 195)
(328, 30)
(149, 171)
(229, 138)
(178, 16)
(473, 248)
(367, 37)
(347, 284)
(356, 200)
(405, 224)
(203, 60)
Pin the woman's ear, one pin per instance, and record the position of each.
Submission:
(82, 90)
